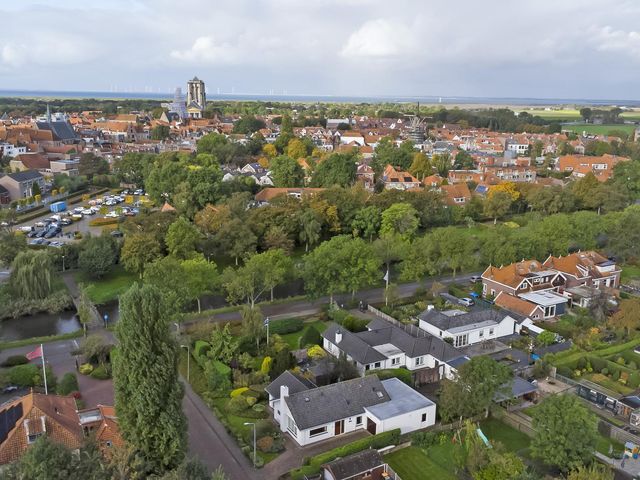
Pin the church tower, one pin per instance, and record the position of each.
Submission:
(196, 97)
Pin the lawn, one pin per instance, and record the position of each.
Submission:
(608, 383)
(600, 129)
(112, 285)
(564, 114)
(413, 463)
(292, 339)
(630, 272)
(512, 439)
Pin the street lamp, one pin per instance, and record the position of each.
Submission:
(62, 263)
(254, 441)
(188, 360)
(177, 327)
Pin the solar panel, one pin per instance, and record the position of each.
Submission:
(8, 420)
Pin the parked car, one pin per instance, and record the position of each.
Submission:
(9, 389)
(475, 279)
(32, 233)
(88, 211)
(39, 224)
(25, 229)
(77, 216)
(467, 302)
(52, 233)
(78, 210)
(66, 221)
(56, 244)
(116, 233)
(41, 233)
(112, 214)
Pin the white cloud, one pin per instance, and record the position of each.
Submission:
(379, 38)
(607, 39)
(205, 49)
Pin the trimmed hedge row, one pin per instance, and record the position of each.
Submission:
(378, 441)
(401, 374)
(100, 222)
(286, 325)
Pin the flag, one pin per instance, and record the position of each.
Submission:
(35, 354)
(386, 276)
(266, 322)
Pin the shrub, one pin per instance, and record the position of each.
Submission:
(286, 325)
(237, 405)
(86, 369)
(354, 324)
(24, 375)
(634, 380)
(14, 360)
(401, 374)
(266, 365)
(620, 361)
(597, 363)
(100, 373)
(201, 348)
(424, 439)
(337, 315)
(68, 384)
(582, 363)
(258, 408)
(310, 336)
(564, 371)
(604, 371)
(251, 401)
(238, 391)
(616, 375)
(101, 222)
(265, 444)
(316, 352)
(217, 378)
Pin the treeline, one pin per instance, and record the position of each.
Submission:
(30, 106)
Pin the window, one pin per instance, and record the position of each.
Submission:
(481, 333)
(366, 367)
(419, 361)
(359, 420)
(461, 340)
(491, 331)
(109, 443)
(424, 417)
(376, 365)
(33, 437)
(291, 426)
(314, 432)
(395, 361)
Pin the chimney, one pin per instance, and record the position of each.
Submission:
(282, 406)
(429, 308)
(338, 337)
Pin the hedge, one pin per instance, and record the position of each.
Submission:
(381, 440)
(100, 222)
(287, 325)
(401, 374)
(14, 360)
(221, 367)
(68, 384)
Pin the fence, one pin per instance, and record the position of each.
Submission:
(411, 329)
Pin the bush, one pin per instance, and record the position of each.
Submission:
(604, 371)
(101, 222)
(310, 336)
(337, 315)
(238, 391)
(100, 373)
(201, 348)
(597, 363)
(316, 352)
(24, 375)
(86, 369)
(564, 371)
(401, 374)
(287, 325)
(424, 439)
(634, 380)
(266, 365)
(218, 379)
(616, 375)
(237, 405)
(354, 324)
(68, 384)
(14, 360)
(265, 444)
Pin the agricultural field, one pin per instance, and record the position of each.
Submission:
(600, 129)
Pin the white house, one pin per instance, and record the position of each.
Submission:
(385, 345)
(310, 415)
(467, 328)
(9, 150)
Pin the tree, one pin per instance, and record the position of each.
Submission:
(628, 315)
(223, 344)
(586, 114)
(201, 277)
(248, 124)
(31, 275)
(168, 275)
(182, 239)
(10, 246)
(252, 323)
(387, 153)
(90, 164)
(277, 238)
(566, 432)
(310, 336)
(138, 250)
(193, 469)
(269, 150)
(44, 460)
(160, 132)
(236, 239)
(400, 219)
(595, 471)
(148, 395)
(310, 227)
(420, 166)
(390, 248)
(98, 255)
(546, 338)
(336, 169)
(282, 361)
(286, 172)
(296, 149)
(474, 388)
(366, 222)
(498, 205)
(133, 167)
(342, 264)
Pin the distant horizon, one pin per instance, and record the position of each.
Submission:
(311, 97)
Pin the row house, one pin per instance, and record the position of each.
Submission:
(10, 150)
(588, 268)
(512, 173)
(580, 165)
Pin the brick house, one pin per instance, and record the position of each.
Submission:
(589, 268)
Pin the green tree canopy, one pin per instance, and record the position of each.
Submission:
(138, 250)
(400, 219)
(286, 172)
(31, 275)
(182, 239)
(98, 255)
(148, 395)
(336, 169)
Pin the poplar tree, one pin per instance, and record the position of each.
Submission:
(148, 394)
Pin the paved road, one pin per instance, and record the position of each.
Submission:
(210, 442)
(307, 307)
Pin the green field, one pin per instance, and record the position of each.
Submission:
(600, 129)
(112, 285)
(564, 114)
(630, 272)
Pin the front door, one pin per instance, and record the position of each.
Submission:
(339, 427)
(371, 426)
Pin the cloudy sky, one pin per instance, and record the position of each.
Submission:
(490, 48)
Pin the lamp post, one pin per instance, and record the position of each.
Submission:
(254, 441)
(62, 263)
(177, 327)
(188, 360)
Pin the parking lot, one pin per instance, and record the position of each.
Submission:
(61, 227)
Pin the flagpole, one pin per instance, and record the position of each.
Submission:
(44, 371)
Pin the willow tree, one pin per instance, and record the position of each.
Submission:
(148, 394)
(31, 275)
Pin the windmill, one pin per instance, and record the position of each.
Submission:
(416, 128)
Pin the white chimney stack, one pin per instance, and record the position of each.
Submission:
(338, 337)
(282, 406)
(429, 308)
